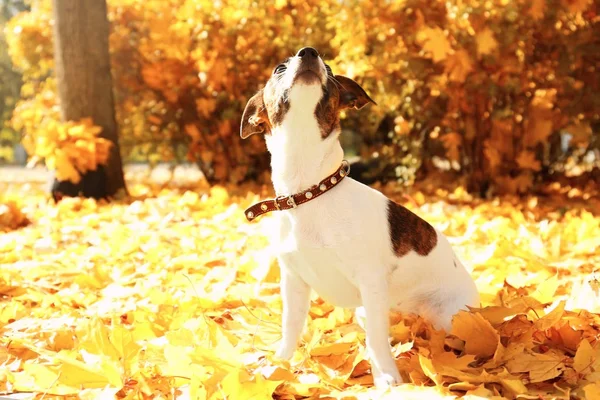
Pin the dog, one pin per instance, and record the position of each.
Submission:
(352, 245)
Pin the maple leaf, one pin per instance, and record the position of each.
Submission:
(435, 43)
(11, 216)
(480, 337)
(486, 42)
(238, 385)
(584, 357)
(541, 367)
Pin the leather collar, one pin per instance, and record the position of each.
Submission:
(292, 201)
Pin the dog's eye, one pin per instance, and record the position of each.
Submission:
(328, 68)
(279, 69)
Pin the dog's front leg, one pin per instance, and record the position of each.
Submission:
(295, 294)
(374, 294)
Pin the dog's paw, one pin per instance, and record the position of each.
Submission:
(387, 380)
(284, 352)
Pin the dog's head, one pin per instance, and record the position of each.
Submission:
(307, 84)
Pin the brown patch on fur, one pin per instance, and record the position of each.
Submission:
(267, 109)
(341, 93)
(276, 108)
(409, 232)
(255, 119)
(262, 113)
(327, 112)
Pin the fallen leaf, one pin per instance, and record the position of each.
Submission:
(481, 339)
(584, 357)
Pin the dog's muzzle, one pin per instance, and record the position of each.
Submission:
(309, 68)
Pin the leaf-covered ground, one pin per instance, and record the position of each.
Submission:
(174, 295)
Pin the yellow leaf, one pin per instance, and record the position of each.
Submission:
(486, 43)
(332, 349)
(178, 362)
(42, 378)
(95, 338)
(592, 391)
(497, 314)
(280, 4)
(434, 42)
(239, 385)
(552, 318)
(544, 292)
(400, 332)
(100, 373)
(541, 367)
(428, 369)
(515, 386)
(127, 349)
(449, 359)
(584, 357)
(65, 171)
(480, 338)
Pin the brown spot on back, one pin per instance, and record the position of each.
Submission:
(409, 232)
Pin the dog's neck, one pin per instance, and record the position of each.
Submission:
(300, 157)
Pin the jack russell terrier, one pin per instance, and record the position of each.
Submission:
(351, 244)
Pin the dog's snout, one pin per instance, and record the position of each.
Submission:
(308, 52)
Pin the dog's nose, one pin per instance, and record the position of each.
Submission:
(308, 52)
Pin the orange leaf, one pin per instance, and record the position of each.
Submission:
(435, 43)
(527, 160)
(486, 43)
(481, 339)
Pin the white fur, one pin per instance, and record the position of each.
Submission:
(339, 245)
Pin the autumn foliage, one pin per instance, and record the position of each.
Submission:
(486, 87)
(174, 295)
(71, 149)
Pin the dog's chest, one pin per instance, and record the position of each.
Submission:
(323, 270)
(326, 241)
(311, 246)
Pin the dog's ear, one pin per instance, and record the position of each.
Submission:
(351, 94)
(254, 119)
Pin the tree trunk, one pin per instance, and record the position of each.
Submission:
(85, 87)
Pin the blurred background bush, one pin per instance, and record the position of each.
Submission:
(496, 94)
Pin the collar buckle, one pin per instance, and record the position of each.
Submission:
(288, 199)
